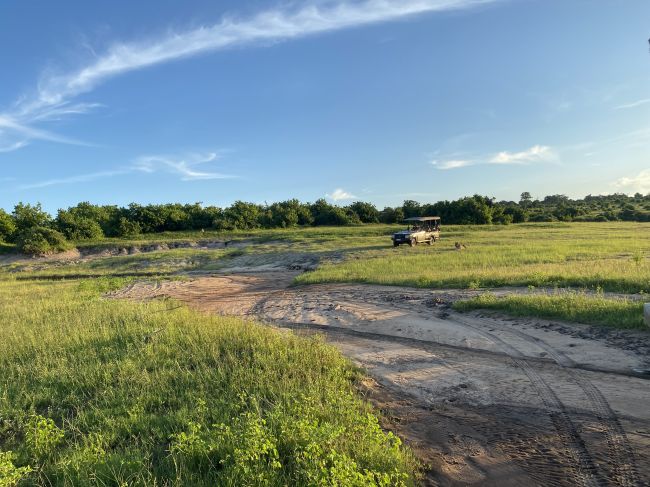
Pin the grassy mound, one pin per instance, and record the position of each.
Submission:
(99, 392)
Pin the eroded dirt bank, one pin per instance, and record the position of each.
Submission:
(484, 400)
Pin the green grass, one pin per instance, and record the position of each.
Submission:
(161, 263)
(103, 392)
(568, 306)
(297, 235)
(612, 256)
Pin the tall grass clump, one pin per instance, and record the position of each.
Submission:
(577, 307)
(102, 392)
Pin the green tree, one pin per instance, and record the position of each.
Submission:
(242, 216)
(367, 212)
(326, 214)
(411, 208)
(391, 215)
(7, 227)
(77, 227)
(127, 228)
(27, 216)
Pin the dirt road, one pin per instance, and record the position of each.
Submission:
(483, 400)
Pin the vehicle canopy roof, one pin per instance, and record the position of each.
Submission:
(422, 219)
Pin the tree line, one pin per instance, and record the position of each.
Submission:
(36, 231)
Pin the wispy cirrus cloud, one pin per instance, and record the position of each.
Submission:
(79, 178)
(184, 167)
(535, 154)
(14, 135)
(340, 194)
(54, 96)
(633, 104)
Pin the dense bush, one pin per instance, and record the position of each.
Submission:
(391, 215)
(127, 228)
(367, 212)
(78, 227)
(41, 241)
(27, 216)
(7, 227)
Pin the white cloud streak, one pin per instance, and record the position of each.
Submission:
(536, 154)
(9, 129)
(639, 183)
(452, 164)
(634, 104)
(55, 92)
(340, 194)
(184, 167)
(81, 178)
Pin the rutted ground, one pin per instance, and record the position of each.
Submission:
(485, 400)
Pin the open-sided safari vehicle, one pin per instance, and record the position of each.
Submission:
(420, 229)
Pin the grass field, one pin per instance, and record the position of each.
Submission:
(572, 306)
(101, 392)
(612, 257)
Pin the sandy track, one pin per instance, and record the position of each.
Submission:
(485, 400)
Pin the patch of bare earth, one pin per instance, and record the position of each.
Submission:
(482, 400)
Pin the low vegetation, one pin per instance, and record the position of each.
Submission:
(86, 221)
(579, 255)
(102, 392)
(568, 306)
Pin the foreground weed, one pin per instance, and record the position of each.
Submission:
(10, 475)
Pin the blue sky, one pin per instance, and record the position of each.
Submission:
(378, 100)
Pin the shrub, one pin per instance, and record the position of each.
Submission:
(41, 241)
(326, 214)
(78, 228)
(27, 216)
(391, 215)
(127, 228)
(42, 436)
(242, 216)
(7, 227)
(10, 475)
(367, 212)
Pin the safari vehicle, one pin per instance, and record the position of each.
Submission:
(420, 229)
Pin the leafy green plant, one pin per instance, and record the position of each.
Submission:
(42, 436)
(10, 475)
(41, 241)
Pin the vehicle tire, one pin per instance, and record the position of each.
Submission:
(395, 244)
